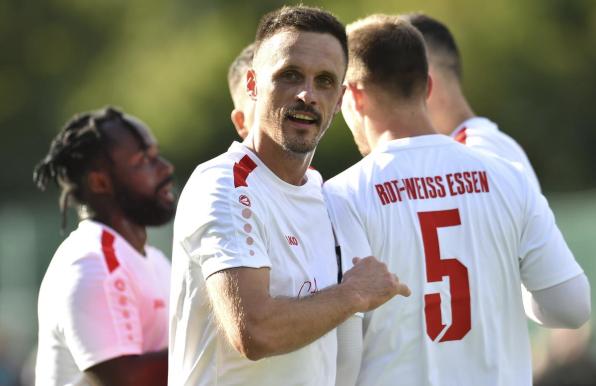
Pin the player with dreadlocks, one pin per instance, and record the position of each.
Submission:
(103, 302)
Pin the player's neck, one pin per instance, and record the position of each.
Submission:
(402, 122)
(135, 234)
(450, 111)
(286, 165)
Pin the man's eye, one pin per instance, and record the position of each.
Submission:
(291, 75)
(325, 81)
(145, 159)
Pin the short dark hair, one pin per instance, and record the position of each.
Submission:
(439, 41)
(237, 71)
(388, 53)
(301, 18)
(74, 152)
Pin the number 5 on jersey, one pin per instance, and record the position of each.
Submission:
(436, 270)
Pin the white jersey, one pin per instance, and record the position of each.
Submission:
(99, 299)
(235, 212)
(482, 134)
(463, 230)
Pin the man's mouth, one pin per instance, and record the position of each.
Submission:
(305, 118)
(165, 189)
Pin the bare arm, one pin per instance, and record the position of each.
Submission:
(259, 325)
(150, 369)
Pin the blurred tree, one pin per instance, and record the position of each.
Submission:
(528, 65)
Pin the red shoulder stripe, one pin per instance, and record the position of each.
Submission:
(461, 136)
(107, 246)
(242, 169)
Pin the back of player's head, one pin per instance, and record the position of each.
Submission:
(439, 41)
(388, 54)
(76, 149)
(301, 18)
(237, 74)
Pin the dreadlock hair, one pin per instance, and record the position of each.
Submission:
(73, 153)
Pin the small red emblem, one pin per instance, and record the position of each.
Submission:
(119, 283)
(244, 200)
(292, 240)
(159, 303)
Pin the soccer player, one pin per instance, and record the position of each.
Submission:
(255, 298)
(461, 227)
(103, 302)
(450, 111)
(243, 113)
(452, 115)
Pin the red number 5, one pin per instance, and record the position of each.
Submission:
(436, 269)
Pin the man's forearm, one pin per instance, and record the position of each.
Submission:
(259, 325)
(286, 324)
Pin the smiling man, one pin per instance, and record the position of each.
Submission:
(254, 294)
(103, 302)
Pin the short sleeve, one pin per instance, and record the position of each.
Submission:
(99, 314)
(347, 224)
(545, 257)
(222, 226)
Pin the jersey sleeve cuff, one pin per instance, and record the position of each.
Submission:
(211, 266)
(107, 354)
(557, 279)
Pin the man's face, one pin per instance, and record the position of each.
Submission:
(297, 82)
(142, 180)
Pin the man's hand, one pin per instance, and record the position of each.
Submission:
(372, 283)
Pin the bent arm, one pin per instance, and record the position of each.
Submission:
(566, 305)
(150, 369)
(259, 325)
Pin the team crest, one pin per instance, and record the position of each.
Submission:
(244, 200)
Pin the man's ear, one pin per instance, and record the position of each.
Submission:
(237, 117)
(251, 84)
(429, 86)
(357, 94)
(99, 182)
(340, 100)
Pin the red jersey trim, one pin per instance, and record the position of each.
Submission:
(107, 246)
(242, 169)
(461, 136)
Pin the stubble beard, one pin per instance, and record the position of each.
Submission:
(141, 209)
(300, 145)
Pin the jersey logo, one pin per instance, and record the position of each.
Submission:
(461, 136)
(244, 200)
(242, 169)
(109, 254)
(308, 288)
(292, 240)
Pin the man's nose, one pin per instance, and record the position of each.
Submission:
(166, 165)
(306, 94)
